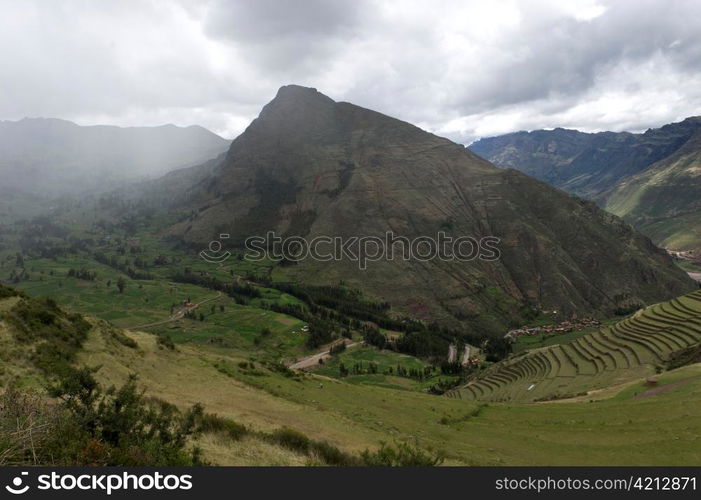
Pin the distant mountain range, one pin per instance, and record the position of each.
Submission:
(652, 180)
(311, 166)
(53, 157)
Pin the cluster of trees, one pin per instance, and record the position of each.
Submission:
(372, 368)
(242, 293)
(373, 336)
(358, 369)
(191, 314)
(341, 304)
(82, 274)
(115, 263)
(413, 373)
(337, 348)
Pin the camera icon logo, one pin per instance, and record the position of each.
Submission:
(215, 255)
(16, 487)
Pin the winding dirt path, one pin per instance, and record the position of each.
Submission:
(313, 360)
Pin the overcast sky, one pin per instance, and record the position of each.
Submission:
(462, 69)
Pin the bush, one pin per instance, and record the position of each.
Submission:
(122, 427)
(165, 341)
(291, 439)
(331, 455)
(401, 455)
(57, 336)
(123, 339)
(6, 292)
(92, 426)
(215, 424)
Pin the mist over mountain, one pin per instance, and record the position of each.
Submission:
(311, 166)
(650, 179)
(52, 157)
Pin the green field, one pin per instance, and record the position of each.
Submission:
(388, 364)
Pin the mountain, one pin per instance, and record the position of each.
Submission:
(311, 166)
(649, 179)
(664, 200)
(56, 157)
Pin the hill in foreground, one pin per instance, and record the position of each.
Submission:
(621, 427)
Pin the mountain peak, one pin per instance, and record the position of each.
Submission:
(298, 92)
(294, 103)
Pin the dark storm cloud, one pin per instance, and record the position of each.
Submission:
(459, 68)
(285, 38)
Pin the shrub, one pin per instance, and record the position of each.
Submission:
(215, 424)
(122, 427)
(6, 292)
(57, 336)
(92, 426)
(291, 439)
(401, 455)
(165, 341)
(123, 339)
(332, 455)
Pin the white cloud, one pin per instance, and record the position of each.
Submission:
(460, 68)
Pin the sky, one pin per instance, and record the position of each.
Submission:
(462, 69)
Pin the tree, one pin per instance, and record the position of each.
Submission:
(121, 284)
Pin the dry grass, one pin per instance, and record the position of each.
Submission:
(249, 451)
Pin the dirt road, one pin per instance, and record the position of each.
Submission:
(313, 360)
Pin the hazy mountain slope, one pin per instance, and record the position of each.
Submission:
(585, 164)
(649, 179)
(56, 157)
(310, 166)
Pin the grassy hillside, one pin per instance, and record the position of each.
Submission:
(620, 425)
(623, 430)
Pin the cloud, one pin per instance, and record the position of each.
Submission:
(460, 68)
